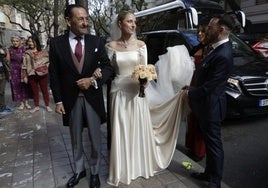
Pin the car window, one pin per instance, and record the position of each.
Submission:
(157, 44)
(155, 47)
(173, 39)
(174, 19)
(191, 38)
(240, 48)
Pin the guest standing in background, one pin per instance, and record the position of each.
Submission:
(20, 91)
(4, 76)
(35, 57)
(23, 42)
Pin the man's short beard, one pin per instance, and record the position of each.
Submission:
(212, 38)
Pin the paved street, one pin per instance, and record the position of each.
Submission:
(35, 152)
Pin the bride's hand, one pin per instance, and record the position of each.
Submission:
(146, 85)
(97, 73)
(185, 87)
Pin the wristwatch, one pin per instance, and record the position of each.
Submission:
(94, 83)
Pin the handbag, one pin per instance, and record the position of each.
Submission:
(42, 70)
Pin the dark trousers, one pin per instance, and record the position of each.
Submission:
(214, 150)
(2, 91)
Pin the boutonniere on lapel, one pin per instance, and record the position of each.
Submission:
(206, 60)
(96, 50)
(205, 65)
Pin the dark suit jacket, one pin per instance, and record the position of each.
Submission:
(63, 73)
(207, 98)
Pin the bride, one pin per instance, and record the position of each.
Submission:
(144, 130)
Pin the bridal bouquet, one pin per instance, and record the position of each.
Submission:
(144, 73)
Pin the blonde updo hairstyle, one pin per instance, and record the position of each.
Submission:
(115, 32)
(122, 15)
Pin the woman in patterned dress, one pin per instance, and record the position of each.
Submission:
(20, 91)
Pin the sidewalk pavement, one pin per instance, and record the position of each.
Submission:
(35, 152)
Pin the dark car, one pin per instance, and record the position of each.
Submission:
(247, 87)
(250, 39)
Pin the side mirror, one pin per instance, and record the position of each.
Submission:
(194, 16)
(243, 18)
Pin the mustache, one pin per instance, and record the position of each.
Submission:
(84, 26)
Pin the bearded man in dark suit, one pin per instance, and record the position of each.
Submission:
(207, 98)
(77, 59)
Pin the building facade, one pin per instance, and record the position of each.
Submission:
(7, 30)
(257, 12)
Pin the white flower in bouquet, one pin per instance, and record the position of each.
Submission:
(144, 73)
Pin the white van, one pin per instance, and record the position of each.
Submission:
(180, 15)
(173, 15)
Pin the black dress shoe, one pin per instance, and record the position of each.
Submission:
(94, 181)
(74, 180)
(200, 176)
(196, 158)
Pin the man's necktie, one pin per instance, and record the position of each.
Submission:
(78, 49)
(207, 50)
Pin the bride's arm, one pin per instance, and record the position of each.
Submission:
(109, 50)
(144, 55)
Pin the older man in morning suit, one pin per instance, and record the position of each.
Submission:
(207, 98)
(76, 59)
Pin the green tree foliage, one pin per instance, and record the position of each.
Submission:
(39, 14)
(101, 15)
(45, 16)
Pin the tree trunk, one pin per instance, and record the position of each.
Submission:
(56, 17)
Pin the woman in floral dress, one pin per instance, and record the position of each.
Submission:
(20, 91)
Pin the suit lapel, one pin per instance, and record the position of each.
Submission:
(89, 51)
(65, 48)
(204, 62)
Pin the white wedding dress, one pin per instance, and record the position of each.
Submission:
(145, 130)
